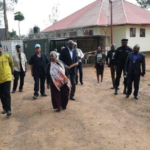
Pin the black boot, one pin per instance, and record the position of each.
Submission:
(125, 90)
(116, 91)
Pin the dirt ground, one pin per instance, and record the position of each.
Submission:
(97, 120)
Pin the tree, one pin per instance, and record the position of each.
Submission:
(144, 3)
(13, 35)
(53, 18)
(31, 31)
(7, 5)
(19, 17)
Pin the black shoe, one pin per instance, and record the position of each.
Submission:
(4, 111)
(58, 110)
(125, 92)
(21, 90)
(44, 95)
(13, 91)
(116, 92)
(8, 113)
(136, 97)
(35, 97)
(72, 98)
(63, 108)
(81, 83)
(127, 96)
(112, 88)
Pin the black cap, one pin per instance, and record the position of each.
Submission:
(17, 46)
(0, 45)
(124, 40)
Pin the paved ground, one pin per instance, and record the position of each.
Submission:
(97, 120)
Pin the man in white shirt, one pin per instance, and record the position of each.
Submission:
(79, 67)
(20, 67)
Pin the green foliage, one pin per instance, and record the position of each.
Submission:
(13, 33)
(9, 5)
(144, 3)
(19, 16)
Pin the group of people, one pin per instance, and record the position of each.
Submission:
(61, 72)
(129, 61)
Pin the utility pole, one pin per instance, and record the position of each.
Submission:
(111, 9)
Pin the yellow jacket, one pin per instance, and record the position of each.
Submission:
(6, 63)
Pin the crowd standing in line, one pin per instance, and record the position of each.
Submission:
(61, 72)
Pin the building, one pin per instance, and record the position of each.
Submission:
(90, 26)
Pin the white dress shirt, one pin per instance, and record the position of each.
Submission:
(71, 53)
(80, 54)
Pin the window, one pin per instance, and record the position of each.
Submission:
(73, 33)
(88, 32)
(64, 34)
(142, 32)
(58, 35)
(132, 32)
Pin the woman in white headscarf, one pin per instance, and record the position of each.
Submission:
(58, 82)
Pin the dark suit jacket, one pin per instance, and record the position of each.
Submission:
(135, 68)
(66, 58)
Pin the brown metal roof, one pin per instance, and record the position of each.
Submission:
(98, 14)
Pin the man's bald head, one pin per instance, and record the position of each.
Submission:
(70, 44)
(136, 48)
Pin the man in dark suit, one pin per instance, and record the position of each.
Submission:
(69, 56)
(133, 70)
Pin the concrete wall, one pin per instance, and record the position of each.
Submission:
(120, 32)
(144, 42)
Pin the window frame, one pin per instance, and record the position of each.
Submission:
(144, 32)
(131, 31)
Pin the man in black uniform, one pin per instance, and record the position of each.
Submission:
(120, 61)
(110, 59)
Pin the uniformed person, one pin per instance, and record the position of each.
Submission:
(120, 61)
(110, 59)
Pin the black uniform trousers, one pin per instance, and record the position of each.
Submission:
(72, 77)
(5, 95)
(133, 78)
(16, 76)
(39, 77)
(113, 73)
(120, 69)
(79, 67)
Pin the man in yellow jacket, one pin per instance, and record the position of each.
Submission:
(6, 71)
